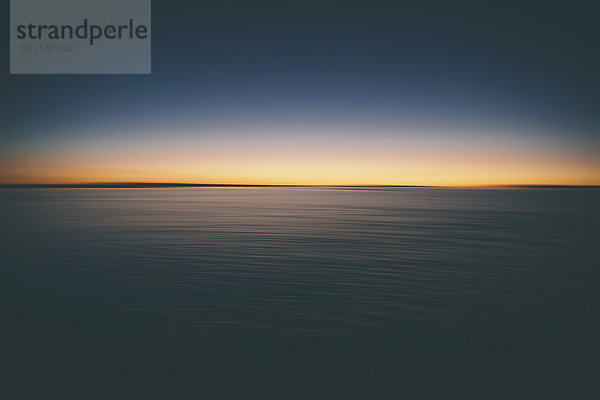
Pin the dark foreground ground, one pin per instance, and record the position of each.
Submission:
(299, 293)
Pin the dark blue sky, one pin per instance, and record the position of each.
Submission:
(527, 67)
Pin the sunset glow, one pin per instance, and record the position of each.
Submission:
(312, 158)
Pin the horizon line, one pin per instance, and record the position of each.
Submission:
(166, 185)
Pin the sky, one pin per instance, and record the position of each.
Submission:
(325, 92)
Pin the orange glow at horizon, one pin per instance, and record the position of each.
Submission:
(334, 162)
(303, 155)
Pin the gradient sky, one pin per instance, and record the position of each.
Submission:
(325, 92)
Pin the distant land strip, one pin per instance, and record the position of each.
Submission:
(150, 185)
(155, 185)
